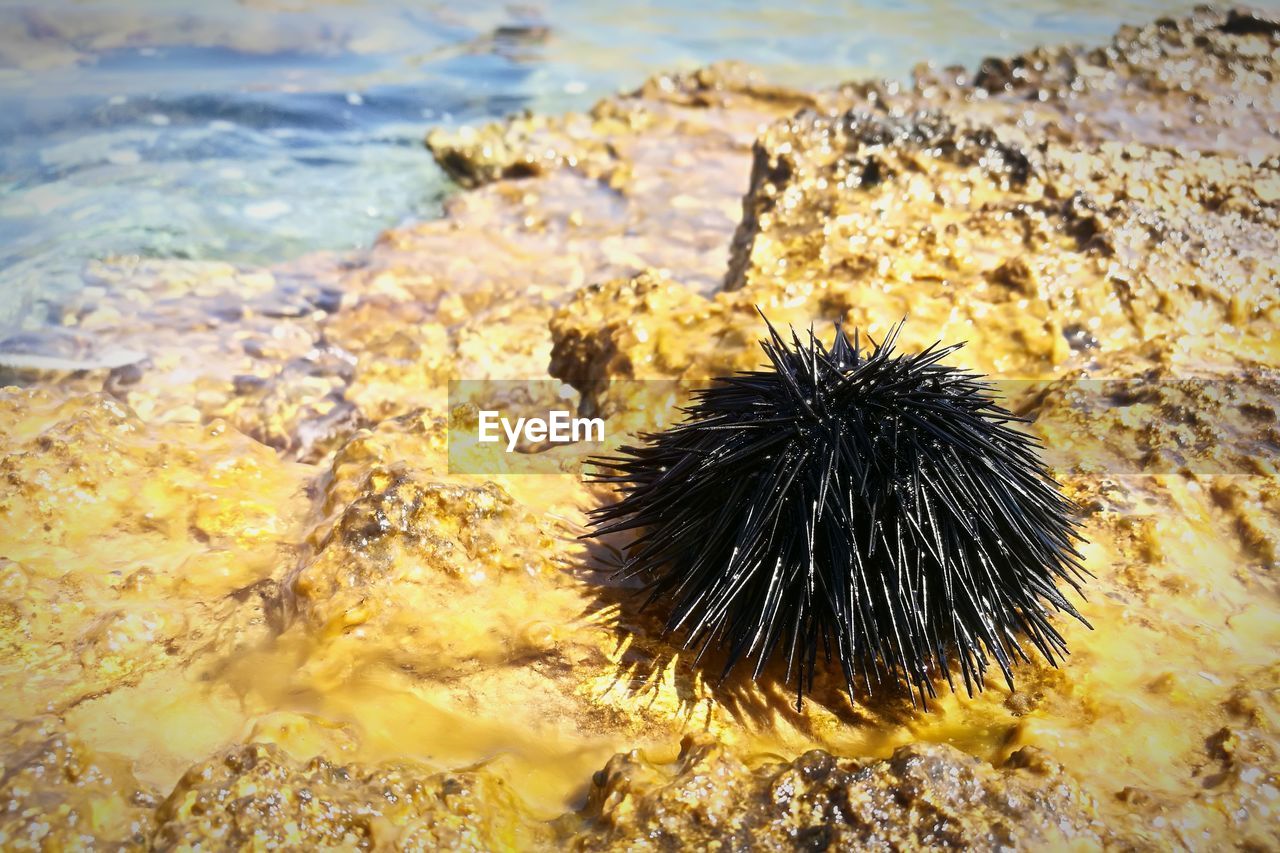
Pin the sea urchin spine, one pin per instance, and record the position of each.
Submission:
(876, 507)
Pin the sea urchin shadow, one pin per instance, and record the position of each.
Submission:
(865, 507)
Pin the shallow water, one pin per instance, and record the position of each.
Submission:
(259, 130)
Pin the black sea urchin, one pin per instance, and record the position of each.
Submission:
(871, 505)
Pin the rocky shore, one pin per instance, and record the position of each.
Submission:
(247, 604)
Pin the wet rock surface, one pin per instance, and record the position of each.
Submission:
(255, 797)
(59, 795)
(248, 602)
(924, 795)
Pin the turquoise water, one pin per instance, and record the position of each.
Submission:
(258, 130)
